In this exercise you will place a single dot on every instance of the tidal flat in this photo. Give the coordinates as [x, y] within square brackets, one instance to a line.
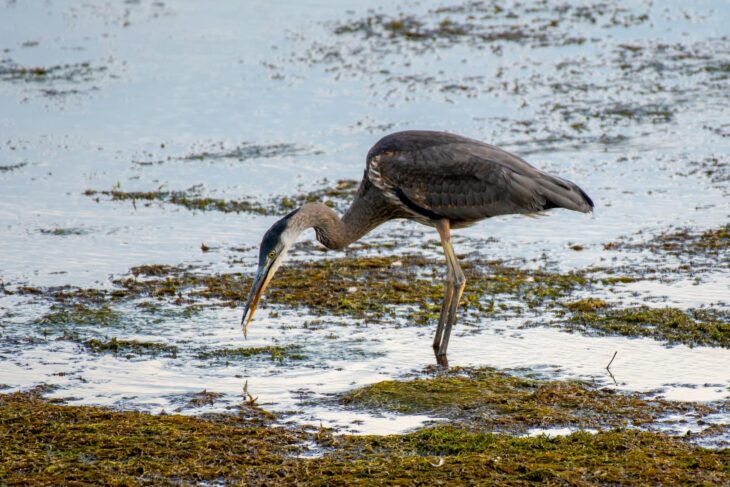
[92, 444]
[147, 148]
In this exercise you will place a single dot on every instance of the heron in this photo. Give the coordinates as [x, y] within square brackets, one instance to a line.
[442, 180]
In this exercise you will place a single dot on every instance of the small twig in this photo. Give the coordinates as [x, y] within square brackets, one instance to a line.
[608, 367]
[615, 382]
[251, 401]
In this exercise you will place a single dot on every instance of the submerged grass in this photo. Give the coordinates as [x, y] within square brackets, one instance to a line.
[76, 73]
[63, 232]
[448, 455]
[191, 199]
[694, 327]
[490, 400]
[484, 24]
[130, 347]
[373, 287]
[276, 353]
[46, 444]
[395, 287]
[80, 314]
[185, 199]
[49, 444]
[687, 244]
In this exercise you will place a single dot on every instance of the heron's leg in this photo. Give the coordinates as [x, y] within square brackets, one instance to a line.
[453, 290]
[448, 293]
[458, 290]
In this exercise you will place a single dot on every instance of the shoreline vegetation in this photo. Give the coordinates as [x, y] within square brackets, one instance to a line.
[46, 442]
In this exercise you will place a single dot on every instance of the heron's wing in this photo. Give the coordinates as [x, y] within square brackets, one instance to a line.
[446, 176]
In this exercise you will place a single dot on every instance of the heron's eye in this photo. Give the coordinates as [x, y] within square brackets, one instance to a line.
[272, 254]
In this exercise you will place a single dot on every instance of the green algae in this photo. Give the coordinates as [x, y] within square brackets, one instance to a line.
[49, 444]
[46, 444]
[182, 198]
[343, 191]
[694, 327]
[276, 353]
[64, 232]
[246, 151]
[712, 241]
[480, 23]
[589, 304]
[242, 152]
[453, 456]
[650, 112]
[376, 288]
[80, 314]
[130, 347]
[12, 167]
[75, 72]
[715, 168]
[336, 196]
[683, 242]
[200, 399]
[490, 400]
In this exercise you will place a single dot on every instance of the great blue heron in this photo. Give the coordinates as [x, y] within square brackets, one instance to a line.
[438, 179]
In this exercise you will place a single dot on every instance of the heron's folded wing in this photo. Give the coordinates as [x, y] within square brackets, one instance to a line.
[466, 181]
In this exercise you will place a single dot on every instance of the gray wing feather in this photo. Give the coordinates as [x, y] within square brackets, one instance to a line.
[466, 180]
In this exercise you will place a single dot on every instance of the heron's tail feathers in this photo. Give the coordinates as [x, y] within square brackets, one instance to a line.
[560, 193]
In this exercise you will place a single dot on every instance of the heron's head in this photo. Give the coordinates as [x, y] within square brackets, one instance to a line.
[274, 246]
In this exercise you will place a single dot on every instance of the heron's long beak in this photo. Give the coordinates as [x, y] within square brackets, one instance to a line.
[263, 277]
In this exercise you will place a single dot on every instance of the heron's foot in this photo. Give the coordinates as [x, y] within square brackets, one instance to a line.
[441, 359]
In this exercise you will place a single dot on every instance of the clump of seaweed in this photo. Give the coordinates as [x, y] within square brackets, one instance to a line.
[242, 152]
[64, 232]
[490, 400]
[80, 314]
[130, 347]
[76, 73]
[247, 151]
[55, 80]
[693, 248]
[46, 444]
[200, 399]
[450, 454]
[694, 327]
[589, 304]
[191, 199]
[12, 167]
[715, 168]
[49, 444]
[335, 195]
[182, 198]
[401, 287]
[488, 23]
[275, 353]
[713, 241]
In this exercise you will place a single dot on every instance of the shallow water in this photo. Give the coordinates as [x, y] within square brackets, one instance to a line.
[274, 111]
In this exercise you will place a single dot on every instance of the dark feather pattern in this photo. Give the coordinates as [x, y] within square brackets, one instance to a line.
[437, 174]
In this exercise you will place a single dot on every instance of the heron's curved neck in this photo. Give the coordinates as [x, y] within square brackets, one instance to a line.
[332, 231]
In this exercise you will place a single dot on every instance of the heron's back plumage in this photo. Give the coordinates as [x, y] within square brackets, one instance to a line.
[435, 175]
